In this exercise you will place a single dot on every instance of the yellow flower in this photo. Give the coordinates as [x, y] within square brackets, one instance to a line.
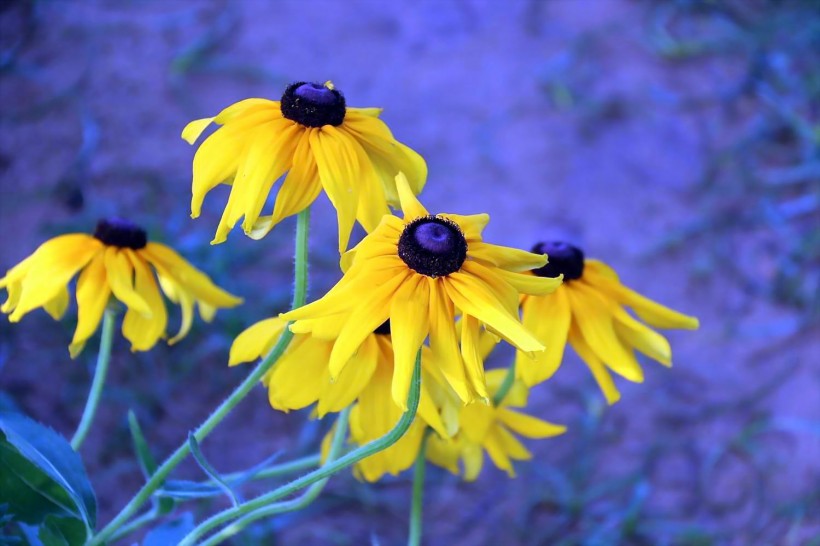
[301, 378]
[320, 143]
[489, 428]
[118, 260]
[419, 273]
[588, 310]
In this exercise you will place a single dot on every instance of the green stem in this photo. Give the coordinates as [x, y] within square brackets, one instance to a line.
[276, 470]
[325, 471]
[135, 524]
[416, 509]
[103, 358]
[299, 296]
[292, 505]
[505, 386]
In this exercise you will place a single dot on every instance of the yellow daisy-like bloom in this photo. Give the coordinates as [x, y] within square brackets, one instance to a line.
[117, 260]
[420, 272]
[489, 428]
[588, 311]
[320, 143]
[301, 378]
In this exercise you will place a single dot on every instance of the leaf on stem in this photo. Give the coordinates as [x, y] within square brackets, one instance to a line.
[210, 470]
[146, 460]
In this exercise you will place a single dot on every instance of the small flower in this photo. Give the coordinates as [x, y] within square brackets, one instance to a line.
[117, 260]
[489, 428]
[588, 310]
[320, 142]
[301, 378]
[420, 272]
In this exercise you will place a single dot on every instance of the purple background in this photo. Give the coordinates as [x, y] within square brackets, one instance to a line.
[677, 141]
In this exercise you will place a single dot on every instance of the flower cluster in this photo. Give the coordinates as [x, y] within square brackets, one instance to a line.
[418, 285]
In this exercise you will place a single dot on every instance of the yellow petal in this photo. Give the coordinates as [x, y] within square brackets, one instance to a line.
[497, 453]
[473, 458]
[121, 279]
[194, 129]
[337, 173]
[337, 395]
[475, 298]
[409, 324]
[444, 343]
[650, 311]
[548, 318]
[444, 453]
[527, 283]
[511, 259]
[640, 336]
[511, 446]
[93, 293]
[528, 426]
[58, 304]
[595, 365]
[51, 268]
[591, 313]
[410, 206]
[256, 341]
[144, 330]
[471, 353]
[372, 204]
[298, 378]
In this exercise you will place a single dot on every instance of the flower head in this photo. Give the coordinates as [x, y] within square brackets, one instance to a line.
[420, 272]
[117, 260]
[488, 428]
[320, 142]
[588, 311]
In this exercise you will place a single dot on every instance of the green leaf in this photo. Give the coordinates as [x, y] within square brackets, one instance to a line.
[170, 532]
[146, 460]
[41, 474]
[62, 532]
[203, 463]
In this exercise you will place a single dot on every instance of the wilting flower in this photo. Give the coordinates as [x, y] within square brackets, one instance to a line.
[117, 260]
[488, 428]
[588, 310]
[320, 143]
[419, 273]
[301, 378]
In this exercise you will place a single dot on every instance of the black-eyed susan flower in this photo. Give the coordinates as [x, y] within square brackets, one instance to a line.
[588, 311]
[320, 142]
[119, 261]
[489, 428]
[420, 272]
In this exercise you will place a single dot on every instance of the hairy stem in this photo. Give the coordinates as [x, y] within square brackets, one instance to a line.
[416, 509]
[103, 358]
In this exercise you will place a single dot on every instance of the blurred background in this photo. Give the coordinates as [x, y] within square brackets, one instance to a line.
[677, 141]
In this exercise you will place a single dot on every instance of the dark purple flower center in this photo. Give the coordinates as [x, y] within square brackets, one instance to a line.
[433, 246]
[564, 259]
[120, 233]
[313, 104]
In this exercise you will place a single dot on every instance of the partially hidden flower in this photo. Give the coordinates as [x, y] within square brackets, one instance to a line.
[119, 261]
[488, 428]
[589, 310]
[320, 142]
[420, 272]
[301, 378]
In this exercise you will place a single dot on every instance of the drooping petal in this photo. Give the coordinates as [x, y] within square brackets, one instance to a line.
[410, 324]
[640, 336]
[337, 172]
[474, 297]
[57, 306]
[595, 365]
[497, 453]
[471, 353]
[337, 395]
[298, 377]
[548, 318]
[143, 330]
[594, 321]
[93, 293]
[194, 129]
[51, 268]
[650, 311]
[121, 279]
[444, 343]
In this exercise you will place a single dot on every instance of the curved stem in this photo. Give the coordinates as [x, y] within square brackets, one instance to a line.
[416, 509]
[299, 296]
[97, 384]
[349, 459]
[298, 503]
[505, 386]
